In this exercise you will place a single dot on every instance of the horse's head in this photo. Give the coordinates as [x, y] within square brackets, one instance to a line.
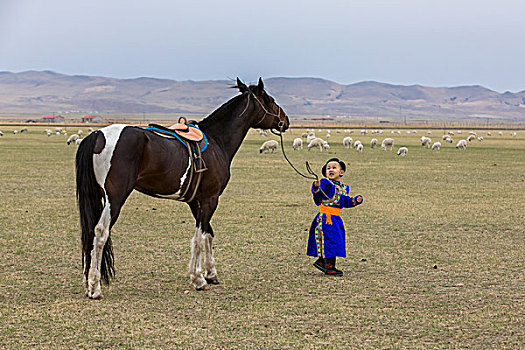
[267, 113]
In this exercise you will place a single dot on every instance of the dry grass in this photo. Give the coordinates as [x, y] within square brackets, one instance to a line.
[461, 211]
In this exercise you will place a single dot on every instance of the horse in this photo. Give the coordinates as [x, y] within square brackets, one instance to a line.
[115, 160]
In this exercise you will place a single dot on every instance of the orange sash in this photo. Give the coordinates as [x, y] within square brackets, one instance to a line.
[329, 211]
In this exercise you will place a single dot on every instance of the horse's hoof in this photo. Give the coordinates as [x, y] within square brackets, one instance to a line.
[204, 287]
[213, 280]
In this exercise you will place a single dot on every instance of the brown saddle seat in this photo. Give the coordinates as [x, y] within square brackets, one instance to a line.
[187, 132]
[184, 130]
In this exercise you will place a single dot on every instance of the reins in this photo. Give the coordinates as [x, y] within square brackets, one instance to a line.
[312, 175]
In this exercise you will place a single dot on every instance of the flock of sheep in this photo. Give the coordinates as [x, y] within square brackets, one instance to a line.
[74, 138]
[314, 142]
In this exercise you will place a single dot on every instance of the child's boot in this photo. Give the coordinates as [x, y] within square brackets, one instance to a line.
[330, 267]
[320, 264]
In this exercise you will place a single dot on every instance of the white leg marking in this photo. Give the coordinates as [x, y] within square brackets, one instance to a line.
[197, 245]
[101, 236]
[210, 272]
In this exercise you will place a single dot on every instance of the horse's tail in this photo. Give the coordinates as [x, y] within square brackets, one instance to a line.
[89, 197]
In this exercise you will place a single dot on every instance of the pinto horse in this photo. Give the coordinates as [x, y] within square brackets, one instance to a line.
[115, 160]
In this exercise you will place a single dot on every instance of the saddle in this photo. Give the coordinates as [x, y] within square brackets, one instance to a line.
[186, 131]
[196, 143]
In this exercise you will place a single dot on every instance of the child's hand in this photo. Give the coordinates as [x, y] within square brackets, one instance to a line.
[317, 183]
[359, 199]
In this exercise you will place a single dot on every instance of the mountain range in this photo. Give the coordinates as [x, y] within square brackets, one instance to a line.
[48, 92]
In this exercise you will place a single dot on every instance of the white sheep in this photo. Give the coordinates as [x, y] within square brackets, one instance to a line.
[364, 132]
[263, 133]
[387, 142]
[436, 146]
[480, 138]
[304, 135]
[23, 129]
[472, 133]
[429, 132]
[402, 151]
[72, 138]
[1, 133]
[471, 138]
[347, 142]
[489, 133]
[425, 141]
[328, 136]
[316, 142]
[326, 146]
[91, 129]
[269, 145]
[297, 144]
[373, 143]
[461, 144]
[356, 143]
[513, 134]
[78, 141]
[80, 132]
[310, 137]
[15, 132]
[451, 133]
[500, 133]
[359, 148]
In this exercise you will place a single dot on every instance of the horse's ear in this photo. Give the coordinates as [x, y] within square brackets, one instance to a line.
[260, 85]
[241, 86]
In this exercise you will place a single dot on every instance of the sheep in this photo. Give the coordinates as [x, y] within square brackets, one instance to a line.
[356, 143]
[91, 129]
[72, 138]
[402, 151]
[269, 145]
[429, 132]
[500, 133]
[359, 148]
[458, 131]
[263, 133]
[461, 144]
[373, 143]
[78, 141]
[364, 132]
[15, 132]
[297, 143]
[326, 146]
[480, 138]
[513, 134]
[79, 133]
[445, 137]
[451, 133]
[347, 142]
[1, 133]
[304, 135]
[328, 136]
[425, 141]
[310, 138]
[436, 146]
[316, 142]
[23, 129]
[472, 133]
[387, 142]
[489, 133]
[471, 138]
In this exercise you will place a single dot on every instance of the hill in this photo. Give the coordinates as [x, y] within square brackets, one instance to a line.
[48, 92]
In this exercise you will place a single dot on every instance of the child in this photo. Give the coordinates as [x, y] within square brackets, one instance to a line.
[327, 232]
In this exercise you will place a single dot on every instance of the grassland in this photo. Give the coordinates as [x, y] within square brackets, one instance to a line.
[436, 254]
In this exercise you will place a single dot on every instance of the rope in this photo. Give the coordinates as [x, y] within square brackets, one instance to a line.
[312, 176]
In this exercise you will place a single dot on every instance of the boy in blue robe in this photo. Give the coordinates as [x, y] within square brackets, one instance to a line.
[326, 239]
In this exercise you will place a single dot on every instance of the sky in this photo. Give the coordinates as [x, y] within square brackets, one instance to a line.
[406, 42]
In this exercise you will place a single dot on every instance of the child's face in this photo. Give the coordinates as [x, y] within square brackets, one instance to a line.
[334, 171]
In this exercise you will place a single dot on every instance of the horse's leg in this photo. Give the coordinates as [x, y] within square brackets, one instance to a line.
[202, 211]
[210, 273]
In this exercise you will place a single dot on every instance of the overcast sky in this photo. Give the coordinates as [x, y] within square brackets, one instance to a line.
[432, 43]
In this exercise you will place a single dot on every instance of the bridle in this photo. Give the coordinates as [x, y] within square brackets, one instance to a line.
[312, 176]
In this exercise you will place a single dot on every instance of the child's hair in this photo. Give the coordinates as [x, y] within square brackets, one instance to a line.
[341, 163]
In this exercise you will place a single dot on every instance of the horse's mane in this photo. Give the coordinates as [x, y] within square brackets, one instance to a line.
[218, 115]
